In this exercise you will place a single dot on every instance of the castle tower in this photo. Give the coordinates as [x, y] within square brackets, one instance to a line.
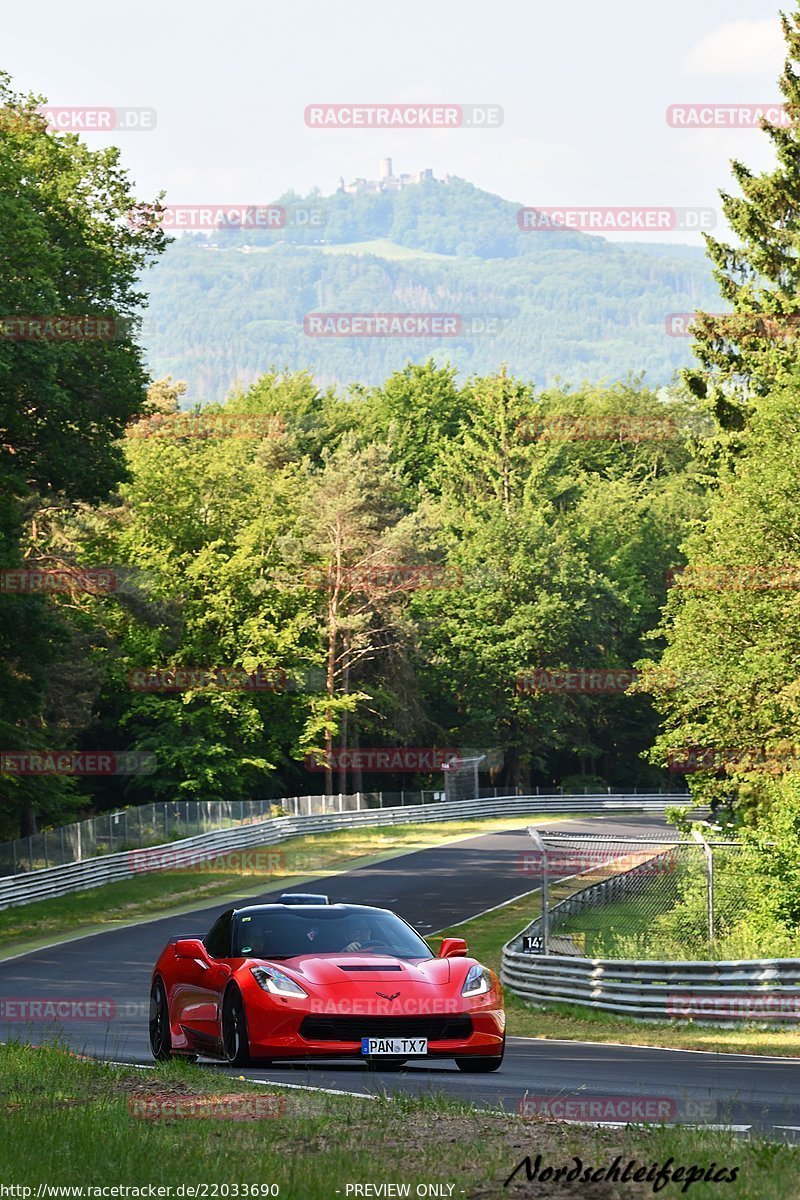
[386, 168]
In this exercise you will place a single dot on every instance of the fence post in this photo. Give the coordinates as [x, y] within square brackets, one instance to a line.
[540, 846]
[709, 853]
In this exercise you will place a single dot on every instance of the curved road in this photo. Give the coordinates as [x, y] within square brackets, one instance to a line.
[432, 889]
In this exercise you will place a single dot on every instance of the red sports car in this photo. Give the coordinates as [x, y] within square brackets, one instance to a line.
[306, 979]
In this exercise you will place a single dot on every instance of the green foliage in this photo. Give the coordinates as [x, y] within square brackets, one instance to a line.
[743, 357]
[68, 248]
[728, 679]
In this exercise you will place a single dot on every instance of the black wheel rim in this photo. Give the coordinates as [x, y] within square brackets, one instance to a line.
[158, 1020]
[233, 1032]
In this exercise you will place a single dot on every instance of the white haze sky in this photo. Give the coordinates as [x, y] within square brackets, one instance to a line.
[584, 87]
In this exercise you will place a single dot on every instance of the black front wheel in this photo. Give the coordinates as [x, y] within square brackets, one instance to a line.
[235, 1043]
[481, 1065]
[160, 1037]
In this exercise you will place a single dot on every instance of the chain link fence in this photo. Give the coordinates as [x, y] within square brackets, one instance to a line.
[154, 824]
[656, 897]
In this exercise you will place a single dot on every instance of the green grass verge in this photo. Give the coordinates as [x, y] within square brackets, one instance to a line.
[72, 1122]
[260, 869]
[486, 936]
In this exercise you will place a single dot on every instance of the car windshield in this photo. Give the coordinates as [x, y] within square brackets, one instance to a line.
[286, 932]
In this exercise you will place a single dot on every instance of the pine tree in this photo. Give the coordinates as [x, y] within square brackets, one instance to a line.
[744, 355]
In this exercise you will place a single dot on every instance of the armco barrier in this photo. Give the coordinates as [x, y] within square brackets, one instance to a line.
[755, 990]
[73, 877]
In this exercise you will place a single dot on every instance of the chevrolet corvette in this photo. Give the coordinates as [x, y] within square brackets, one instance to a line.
[302, 979]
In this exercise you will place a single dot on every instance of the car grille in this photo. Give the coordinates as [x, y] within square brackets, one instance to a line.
[352, 1029]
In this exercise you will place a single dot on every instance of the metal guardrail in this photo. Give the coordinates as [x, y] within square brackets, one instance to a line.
[110, 868]
[151, 824]
[761, 989]
[757, 990]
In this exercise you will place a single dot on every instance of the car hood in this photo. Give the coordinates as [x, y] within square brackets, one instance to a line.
[329, 970]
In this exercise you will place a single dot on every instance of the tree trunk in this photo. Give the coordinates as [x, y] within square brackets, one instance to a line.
[330, 688]
[358, 777]
[27, 821]
[345, 715]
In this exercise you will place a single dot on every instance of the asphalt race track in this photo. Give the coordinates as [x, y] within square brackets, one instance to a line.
[432, 889]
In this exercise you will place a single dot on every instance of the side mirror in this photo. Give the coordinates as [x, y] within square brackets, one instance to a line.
[190, 948]
[453, 948]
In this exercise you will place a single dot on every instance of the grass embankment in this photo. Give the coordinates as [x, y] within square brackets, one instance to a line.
[68, 1121]
[486, 936]
[237, 876]
[621, 929]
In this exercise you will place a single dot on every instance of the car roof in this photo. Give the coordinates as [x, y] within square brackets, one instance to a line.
[308, 910]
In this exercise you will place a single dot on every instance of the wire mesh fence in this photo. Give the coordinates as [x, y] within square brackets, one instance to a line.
[167, 821]
[655, 897]
[127, 829]
[154, 824]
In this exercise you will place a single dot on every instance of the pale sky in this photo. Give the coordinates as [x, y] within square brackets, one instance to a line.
[584, 88]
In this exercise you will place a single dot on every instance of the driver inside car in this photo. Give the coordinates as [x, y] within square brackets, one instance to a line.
[360, 933]
[256, 946]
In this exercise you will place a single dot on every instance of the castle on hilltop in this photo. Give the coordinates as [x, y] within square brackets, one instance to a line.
[388, 181]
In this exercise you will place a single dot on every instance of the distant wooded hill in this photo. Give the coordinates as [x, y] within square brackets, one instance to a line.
[228, 306]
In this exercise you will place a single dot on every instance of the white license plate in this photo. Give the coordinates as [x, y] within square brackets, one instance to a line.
[402, 1047]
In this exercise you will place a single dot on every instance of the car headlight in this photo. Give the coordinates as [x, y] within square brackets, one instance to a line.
[274, 981]
[478, 982]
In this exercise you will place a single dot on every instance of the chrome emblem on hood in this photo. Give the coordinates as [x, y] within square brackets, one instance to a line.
[386, 996]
